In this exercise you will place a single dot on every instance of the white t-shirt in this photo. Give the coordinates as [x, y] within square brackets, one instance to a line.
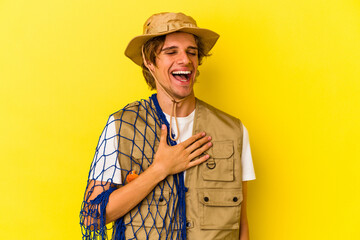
[107, 166]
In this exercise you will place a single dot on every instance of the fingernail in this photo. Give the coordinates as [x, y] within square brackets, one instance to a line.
[210, 144]
[163, 127]
[209, 138]
[203, 134]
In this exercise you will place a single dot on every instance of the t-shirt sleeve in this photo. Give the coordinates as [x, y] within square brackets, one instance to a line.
[105, 165]
[248, 172]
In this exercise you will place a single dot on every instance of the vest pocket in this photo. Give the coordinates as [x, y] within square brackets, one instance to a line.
[220, 208]
[151, 212]
[220, 165]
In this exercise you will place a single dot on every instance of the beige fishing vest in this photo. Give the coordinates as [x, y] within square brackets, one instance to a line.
[214, 196]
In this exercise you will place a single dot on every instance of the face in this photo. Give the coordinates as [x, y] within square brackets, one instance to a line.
[176, 64]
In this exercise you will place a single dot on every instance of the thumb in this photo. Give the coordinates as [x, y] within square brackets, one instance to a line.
[163, 136]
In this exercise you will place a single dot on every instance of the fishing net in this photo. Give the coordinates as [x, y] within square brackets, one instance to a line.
[161, 215]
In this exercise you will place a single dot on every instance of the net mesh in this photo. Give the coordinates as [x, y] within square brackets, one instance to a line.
[128, 143]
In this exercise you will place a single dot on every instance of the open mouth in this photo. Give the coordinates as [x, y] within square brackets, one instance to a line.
[182, 76]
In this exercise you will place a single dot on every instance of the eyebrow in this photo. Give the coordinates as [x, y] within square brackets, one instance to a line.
[175, 47]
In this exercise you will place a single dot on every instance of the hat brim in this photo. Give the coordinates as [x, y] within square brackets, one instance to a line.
[133, 50]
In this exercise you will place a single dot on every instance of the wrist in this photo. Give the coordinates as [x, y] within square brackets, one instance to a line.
[157, 171]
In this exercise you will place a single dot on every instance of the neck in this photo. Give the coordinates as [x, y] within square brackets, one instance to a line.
[183, 109]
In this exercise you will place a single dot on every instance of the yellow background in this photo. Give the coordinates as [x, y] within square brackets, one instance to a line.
[289, 69]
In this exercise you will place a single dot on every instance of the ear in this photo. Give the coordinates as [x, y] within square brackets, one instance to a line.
[150, 65]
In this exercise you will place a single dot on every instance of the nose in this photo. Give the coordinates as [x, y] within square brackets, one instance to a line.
[183, 58]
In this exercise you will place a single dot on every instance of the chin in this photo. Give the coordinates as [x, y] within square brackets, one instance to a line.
[183, 94]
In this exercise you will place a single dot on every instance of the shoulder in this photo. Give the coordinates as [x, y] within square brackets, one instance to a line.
[212, 111]
[133, 109]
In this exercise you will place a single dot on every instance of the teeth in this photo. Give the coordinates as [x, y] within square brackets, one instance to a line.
[181, 72]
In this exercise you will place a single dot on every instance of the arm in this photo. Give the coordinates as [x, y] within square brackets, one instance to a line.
[244, 227]
[168, 160]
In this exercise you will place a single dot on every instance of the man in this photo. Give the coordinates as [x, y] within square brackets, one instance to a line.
[172, 166]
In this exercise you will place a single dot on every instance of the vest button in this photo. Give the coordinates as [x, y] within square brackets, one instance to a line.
[188, 224]
[206, 199]
[161, 199]
[235, 199]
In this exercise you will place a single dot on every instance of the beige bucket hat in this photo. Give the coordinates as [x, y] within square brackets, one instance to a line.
[165, 23]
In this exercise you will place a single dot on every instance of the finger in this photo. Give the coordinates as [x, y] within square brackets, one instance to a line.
[198, 161]
[200, 151]
[197, 144]
[163, 135]
[193, 139]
